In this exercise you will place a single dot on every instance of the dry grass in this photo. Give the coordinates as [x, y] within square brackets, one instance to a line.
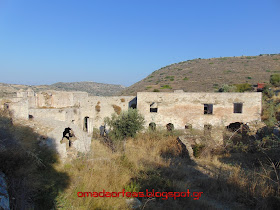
[151, 160]
[31, 170]
[157, 161]
[117, 109]
[215, 71]
[102, 169]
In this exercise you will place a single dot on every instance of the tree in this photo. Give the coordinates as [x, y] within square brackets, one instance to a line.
[127, 124]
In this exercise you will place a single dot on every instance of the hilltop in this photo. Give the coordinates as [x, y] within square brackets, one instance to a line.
[207, 75]
[93, 88]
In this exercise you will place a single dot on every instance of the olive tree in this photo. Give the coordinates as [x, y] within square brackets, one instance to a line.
[127, 124]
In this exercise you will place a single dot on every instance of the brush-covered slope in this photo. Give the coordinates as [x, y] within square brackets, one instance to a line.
[209, 74]
[93, 88]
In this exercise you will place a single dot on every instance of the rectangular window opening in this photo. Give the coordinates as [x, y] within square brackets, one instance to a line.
[153, 109]
[208, 108]
[237, 107]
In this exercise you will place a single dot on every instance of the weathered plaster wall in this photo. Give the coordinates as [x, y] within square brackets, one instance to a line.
[74, 107]
[19, 109]
[182, 108]
[59, 99]
[178, 108]
[60, 114]
[98, 107]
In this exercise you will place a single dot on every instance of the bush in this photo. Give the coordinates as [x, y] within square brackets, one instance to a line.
[166, 87]
[127, 124]
[243, 87]
[275, 80]
[197, 149]
[227, 88]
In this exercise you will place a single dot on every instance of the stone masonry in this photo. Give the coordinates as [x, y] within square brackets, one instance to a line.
[83, 113]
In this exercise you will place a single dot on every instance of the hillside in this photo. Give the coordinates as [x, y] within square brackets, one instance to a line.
[208, 74]
[93, 88]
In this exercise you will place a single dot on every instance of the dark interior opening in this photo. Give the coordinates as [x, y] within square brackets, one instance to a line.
[133, 103]
[170, 127]
[86, 123]
[153, 109]
[208, 108]
[188, 126]
[152, 126]
[237, 107]
[234, 126]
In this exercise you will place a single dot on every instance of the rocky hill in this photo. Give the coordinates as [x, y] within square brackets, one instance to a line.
[93, 88]
[209, 74]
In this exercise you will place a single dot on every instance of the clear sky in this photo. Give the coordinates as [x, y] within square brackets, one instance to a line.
[123, 41]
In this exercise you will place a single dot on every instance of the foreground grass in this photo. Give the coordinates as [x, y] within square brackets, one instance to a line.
[240, 178]
[32, 171]
[157, 161]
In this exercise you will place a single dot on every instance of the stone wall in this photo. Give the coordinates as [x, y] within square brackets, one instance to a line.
[188, 108]
[178, 108]
[96, 108]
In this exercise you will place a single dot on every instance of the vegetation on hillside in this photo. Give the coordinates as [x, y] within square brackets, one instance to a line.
[200, 75]
[93, 88]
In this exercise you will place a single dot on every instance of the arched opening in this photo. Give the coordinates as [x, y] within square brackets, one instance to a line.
[170, 127]
[152, 126]
[188, 126]
[30, 117]
[234, 126]
[86, 124]
[237, 132]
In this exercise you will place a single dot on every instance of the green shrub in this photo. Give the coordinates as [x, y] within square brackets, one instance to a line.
[197, 149]
[186, 78]
[243, 87]
[275, 79]
[155, 90]
[127, 124]
[228, 88]
[166, 87]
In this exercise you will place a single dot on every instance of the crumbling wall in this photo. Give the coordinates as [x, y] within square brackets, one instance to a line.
[189, 108]
[96, 108]
[19, 108]
[62, 114]
[54, 135]
[59, 99]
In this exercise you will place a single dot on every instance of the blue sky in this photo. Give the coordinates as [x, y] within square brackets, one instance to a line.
[123, 41]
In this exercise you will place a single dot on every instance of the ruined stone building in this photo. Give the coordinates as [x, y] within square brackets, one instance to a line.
[82, 113]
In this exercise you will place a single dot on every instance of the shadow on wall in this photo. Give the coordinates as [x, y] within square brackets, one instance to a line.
[33, 181]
